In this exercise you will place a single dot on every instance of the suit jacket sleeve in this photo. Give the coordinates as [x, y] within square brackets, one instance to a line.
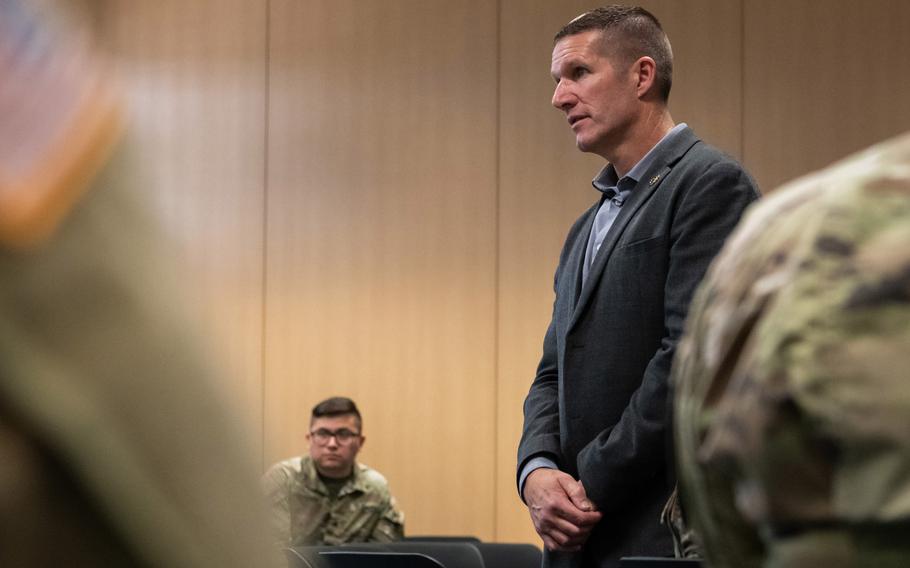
[540, 435]
[637, 447]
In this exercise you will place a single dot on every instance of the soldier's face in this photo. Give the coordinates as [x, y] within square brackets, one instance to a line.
[334, 444]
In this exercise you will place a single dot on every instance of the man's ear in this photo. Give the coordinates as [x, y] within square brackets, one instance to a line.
[646, 73]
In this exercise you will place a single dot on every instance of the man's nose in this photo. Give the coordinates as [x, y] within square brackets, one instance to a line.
[562, 96]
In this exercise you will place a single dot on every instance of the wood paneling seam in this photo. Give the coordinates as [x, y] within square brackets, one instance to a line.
[265, 230]
[496, 279]
[742, 81]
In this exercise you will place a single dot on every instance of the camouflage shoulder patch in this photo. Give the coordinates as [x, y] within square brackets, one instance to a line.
[62, 119]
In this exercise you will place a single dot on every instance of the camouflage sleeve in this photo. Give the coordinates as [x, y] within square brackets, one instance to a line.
[685, 539]
[275, 487]
[793, 402]
[819, 450]
[391, 524]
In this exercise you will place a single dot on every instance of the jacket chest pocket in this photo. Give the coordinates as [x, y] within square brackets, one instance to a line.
[642, 246]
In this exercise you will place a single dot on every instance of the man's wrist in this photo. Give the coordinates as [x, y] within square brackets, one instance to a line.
[533, 464]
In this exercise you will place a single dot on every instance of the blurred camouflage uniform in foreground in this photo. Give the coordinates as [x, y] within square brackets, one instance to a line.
[114, 448]
[793, 381]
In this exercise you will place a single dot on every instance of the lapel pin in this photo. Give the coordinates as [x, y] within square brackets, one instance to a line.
[654, 179]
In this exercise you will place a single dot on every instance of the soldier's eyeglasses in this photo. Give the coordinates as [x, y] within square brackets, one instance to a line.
[343, 436]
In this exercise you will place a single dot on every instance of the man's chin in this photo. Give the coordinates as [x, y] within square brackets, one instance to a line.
[583, 144]
[587, 146]
[583, 147]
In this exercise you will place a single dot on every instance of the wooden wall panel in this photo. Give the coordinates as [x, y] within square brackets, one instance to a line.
[391, 229]
[544, 185]
[381, 241]
[545, 182]
[707, 75]
[823, 79]
[194, 73]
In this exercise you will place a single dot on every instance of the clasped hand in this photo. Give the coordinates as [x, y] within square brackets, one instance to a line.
[562, 514]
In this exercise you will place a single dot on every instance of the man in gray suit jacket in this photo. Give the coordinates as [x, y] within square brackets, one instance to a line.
[593, 459]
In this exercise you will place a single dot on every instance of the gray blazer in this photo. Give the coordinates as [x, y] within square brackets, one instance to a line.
[598, 404]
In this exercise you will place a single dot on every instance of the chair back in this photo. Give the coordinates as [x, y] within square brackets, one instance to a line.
[440, 538]
[655, 562]
[361, 559]
[509, 555]
[448, 554]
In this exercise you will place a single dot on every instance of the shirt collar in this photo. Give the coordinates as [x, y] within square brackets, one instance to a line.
[607, 179]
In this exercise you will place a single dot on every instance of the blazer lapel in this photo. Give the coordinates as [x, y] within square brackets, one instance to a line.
[576, 259]
[639, 196]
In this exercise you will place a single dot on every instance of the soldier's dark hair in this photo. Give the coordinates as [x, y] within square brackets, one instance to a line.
[336, 406]
[629, 32]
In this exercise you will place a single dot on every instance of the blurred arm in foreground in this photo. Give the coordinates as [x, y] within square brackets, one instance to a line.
[114, 445]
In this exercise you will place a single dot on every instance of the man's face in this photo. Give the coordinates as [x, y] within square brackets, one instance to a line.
[332, 446]
[599, 99]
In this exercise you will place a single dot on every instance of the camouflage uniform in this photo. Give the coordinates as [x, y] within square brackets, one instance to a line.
[304, 513]
[114, 449]
[792, 391]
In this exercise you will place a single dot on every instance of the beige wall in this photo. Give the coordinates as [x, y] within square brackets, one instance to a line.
[368, 196]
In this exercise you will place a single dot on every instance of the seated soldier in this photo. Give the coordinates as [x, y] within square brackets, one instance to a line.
[327, 498]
